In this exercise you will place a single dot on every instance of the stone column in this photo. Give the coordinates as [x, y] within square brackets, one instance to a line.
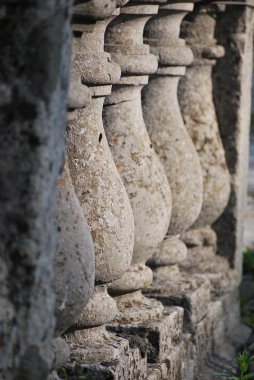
[176, 151]
[103, 200]
[135, 158]
[74, 261]
[35, 49]
[166, 129]
[196, 100]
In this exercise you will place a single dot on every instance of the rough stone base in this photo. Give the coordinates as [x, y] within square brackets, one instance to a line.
[191, 292]
[128, 366]
[158, 336]
[103, 355]
[193, 339]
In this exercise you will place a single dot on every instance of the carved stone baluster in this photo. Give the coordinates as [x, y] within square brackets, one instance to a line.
[75, 257]
[178, 155]
[74, 261]
[102, 197]
[166, 129]
[196, 100]
[140, 169]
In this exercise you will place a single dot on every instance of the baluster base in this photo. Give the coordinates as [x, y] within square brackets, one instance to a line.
[99, 354]
[155, 338]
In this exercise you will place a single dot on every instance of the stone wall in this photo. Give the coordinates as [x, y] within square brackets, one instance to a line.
[125, 265]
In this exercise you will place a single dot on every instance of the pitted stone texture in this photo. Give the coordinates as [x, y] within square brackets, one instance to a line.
[103, 355]
[134, 307]
[204, 261]
[89, 60]
[196, 101]
[189, 357]
[124, 39]
[163, 118]
[192, 292]
[159, 336]
[74, 261]
[137, 277]
[100, 309]
[171, 251]
[140, 169]
[175, 149]
[204, 334]
[101, 193]
[35, 50]
[170, 369]
[127, 367]
[96, 9]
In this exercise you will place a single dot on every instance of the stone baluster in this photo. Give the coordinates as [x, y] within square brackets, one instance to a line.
[167, 131]
[74, 262]
[196, 101]
[75, 258]
[100, 191]
[140, 169]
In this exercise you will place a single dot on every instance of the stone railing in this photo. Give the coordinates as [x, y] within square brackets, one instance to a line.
[149, 202]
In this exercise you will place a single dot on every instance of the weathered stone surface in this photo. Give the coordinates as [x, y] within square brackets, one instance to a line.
[135, 307]
[140, 169]
[171, 251]
[103, 200]
[135, 278]
[100, 192]
[95, 9]
[159, 336]
[74, 261]
[172, 287]
[204, 261]
[34, 42]
[103, 356]
[200, 237]
[170, 369]
[163, 118]
[196, 101]
[100, 309]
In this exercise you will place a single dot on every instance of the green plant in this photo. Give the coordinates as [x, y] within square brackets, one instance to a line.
[62, 373]
[249, 320]
[248, 259]
[243, 361]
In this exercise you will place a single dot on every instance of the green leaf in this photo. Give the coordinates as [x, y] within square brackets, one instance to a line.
[229, 376]
[249, 376]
